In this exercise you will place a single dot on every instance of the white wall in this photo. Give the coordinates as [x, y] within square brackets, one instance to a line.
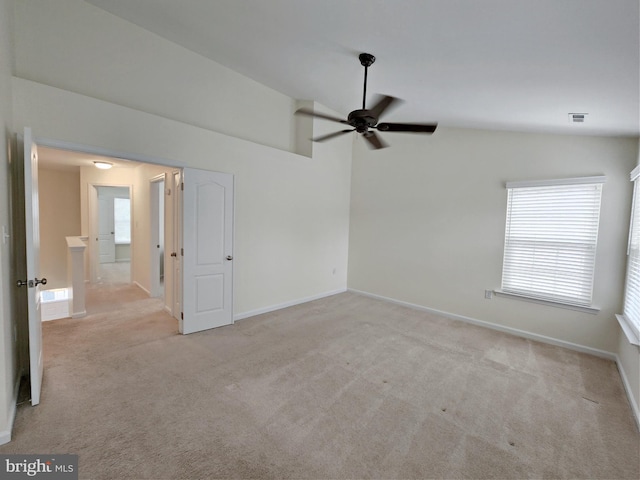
[428, 218]
[148, 96]
[59, 192]
[73, 45]
[291, 212]
[8, 361]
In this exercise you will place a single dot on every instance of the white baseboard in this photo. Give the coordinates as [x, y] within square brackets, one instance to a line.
[494, 326]
[633, 402]
[5, 435]
[142, 288]
[273, 308]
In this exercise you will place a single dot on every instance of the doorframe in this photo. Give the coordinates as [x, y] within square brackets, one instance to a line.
[176, 243]
[93, 212]
[107, 152]
[176, 166]
[156, 235]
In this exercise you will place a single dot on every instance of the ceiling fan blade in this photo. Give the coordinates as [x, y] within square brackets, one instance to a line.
[407, 127]
[374, 140]
[331, 135]
[311, 113]
[383, 104]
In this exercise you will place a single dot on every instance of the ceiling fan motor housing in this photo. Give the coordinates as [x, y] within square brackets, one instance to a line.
[366, 59]
[362, 120]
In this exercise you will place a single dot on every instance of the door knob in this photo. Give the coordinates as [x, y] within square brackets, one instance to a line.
[32, 283]
[229, 257]
[174, 254]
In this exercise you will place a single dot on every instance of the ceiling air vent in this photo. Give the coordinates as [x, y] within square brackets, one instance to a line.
[577, 117]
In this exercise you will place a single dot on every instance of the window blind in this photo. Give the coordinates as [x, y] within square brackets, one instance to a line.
[632, 290]
[550, 239]
[122, 220]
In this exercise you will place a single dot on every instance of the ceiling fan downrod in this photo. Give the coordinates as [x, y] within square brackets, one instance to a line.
[366, 60]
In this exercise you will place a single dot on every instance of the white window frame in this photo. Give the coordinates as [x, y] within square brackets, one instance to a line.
[630, 318]
[545, 263]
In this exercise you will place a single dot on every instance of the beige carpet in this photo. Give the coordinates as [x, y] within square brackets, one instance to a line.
[344, 387]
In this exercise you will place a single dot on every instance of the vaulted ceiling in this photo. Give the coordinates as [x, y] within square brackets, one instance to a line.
[501, 64]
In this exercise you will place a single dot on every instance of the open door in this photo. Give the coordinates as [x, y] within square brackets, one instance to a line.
[157, 233]
[175, 261]
[106, 233]
[32, 282]
[207, 272]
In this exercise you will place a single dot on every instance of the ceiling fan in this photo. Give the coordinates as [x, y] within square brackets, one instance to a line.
[365, 120]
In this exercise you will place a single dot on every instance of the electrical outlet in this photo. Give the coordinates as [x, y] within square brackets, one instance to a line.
[488, 294]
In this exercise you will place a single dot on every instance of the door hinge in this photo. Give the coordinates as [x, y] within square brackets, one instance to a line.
[181, 315]
[182, 186]
[182, 252]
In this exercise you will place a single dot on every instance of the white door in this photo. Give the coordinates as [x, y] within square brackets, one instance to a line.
[156, 227]
[176, 241]
[32, 236]
[106, 232]
[208, 250]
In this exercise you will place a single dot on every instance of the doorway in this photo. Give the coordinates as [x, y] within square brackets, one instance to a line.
[198, 230]
[114, 234]
[109, 210]
[157, 231]
[205, 228]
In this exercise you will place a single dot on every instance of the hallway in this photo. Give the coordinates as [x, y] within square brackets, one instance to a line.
[112, 273]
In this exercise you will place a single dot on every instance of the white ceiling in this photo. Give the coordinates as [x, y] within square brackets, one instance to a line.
[505, 64]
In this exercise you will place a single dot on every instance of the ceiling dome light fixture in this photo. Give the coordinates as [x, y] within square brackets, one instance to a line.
[103, 165]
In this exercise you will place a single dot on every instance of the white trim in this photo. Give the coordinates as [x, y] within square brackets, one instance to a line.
[635, 173]
[5, 435]
[106, 152]
[633, 402]
[135, 282]
[79, 314]
[628, 330]
[550, 303]
[272, 308]
[633, 207]
[494, 326]
[558, 181]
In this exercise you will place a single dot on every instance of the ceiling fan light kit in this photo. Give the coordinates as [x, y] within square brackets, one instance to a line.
[364, 120]
[103, 165]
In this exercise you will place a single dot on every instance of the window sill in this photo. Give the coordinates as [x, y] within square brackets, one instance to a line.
[550, 303]
[628, 330]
